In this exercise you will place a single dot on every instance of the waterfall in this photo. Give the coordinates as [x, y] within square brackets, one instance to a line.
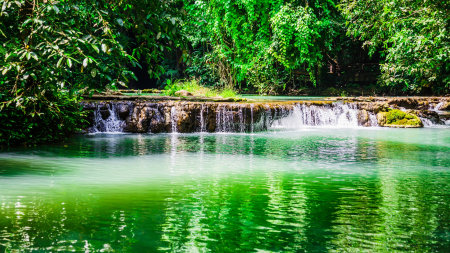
[241, 120]
[426, 122]
[251, 113]
[173, 119]
[202, 119]
[438, 106]
[225, 118]
[373, 119]
[327, 115]
[142, 117]
[107, 120]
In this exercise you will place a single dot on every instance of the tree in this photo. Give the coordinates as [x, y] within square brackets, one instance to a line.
[54, 50]
[413, 35]
[256, 41]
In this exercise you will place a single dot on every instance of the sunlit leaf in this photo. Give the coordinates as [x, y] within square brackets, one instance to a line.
[59, 62]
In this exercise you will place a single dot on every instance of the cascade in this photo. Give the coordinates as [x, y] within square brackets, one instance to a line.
[438, 106]
[173, 119]
[251, 118]
[188, 117]
[327, 115]
[202, 119]
[106, 119]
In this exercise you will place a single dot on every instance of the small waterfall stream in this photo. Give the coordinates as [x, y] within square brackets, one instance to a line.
[173, 119]
[344, 115]
[107, 120]
[227, 117]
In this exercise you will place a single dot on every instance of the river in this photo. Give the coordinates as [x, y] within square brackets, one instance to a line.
[308, 189]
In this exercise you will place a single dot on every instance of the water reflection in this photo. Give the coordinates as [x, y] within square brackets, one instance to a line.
[298, 191]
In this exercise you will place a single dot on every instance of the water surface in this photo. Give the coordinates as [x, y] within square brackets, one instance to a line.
[312, 189]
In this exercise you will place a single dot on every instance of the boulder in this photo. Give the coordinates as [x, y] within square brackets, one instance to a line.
[363, 118]
[398, 119]
[123, 111]
[183, 93]
[445, 107]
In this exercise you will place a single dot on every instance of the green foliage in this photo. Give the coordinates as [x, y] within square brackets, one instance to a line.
[53, 51]
[413, 35]
[253, 41]
[41, 122]
[197, 89]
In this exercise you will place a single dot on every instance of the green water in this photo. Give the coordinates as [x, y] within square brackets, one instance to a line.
[309, 190]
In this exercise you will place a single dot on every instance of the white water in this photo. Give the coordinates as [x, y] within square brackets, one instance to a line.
[225, 119]
[438, 106]
[232, 118]
[342, 115]
[426, 122]
[202, 120]
[173, 119]
[113, 124]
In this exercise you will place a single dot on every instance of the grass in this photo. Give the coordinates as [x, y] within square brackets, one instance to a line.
[198, 90]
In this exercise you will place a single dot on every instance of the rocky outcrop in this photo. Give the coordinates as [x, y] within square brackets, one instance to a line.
[187, 117]
[398, 119]
[141, 116]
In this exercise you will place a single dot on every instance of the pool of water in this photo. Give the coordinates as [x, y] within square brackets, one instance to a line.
[304, 190]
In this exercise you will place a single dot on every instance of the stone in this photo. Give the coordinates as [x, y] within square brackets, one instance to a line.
[445, 107]
[105, 113]
[124, 111]
[363, 118]
[183, 93]
[398, 119]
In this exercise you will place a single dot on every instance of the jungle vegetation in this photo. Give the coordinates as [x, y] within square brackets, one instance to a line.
[54, 51]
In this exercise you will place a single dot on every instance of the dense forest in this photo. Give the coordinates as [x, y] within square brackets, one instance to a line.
[54, 51]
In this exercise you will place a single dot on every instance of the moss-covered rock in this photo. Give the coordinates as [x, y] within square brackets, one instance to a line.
[399, 119]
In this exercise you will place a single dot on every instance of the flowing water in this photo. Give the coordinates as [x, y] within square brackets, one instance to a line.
[294, 188]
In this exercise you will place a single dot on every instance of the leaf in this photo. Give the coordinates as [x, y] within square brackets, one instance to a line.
[34, 55]
[69, 63]
[18, 3]
[95, 48]
[28, 56]
[93, 72]
[173, 21]
[4, 71]
[104, 48]
[86, 37]
[120, 21]
[134, 76]
[158, 36]
[59, 62]
[85, 62]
